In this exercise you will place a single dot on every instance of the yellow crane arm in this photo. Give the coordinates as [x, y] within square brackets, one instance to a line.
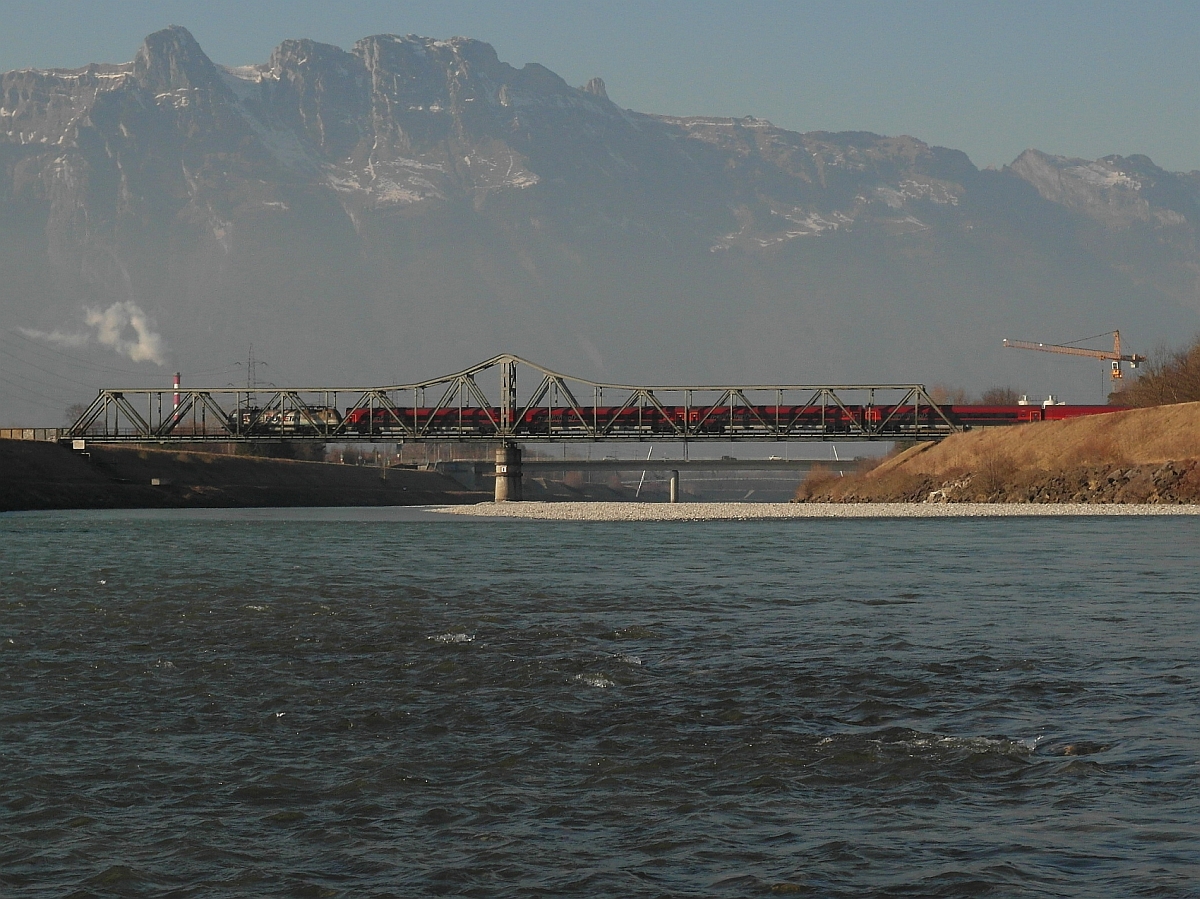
[1115, 356]
[1054, 348]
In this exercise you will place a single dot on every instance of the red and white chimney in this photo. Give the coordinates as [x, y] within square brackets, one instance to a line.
[176, 406]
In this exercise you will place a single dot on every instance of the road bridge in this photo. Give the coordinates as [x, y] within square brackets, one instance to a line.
[507, 401]
[471, 473]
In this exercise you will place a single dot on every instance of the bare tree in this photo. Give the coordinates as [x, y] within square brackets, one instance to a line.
[1000, 396]
[1168, 376]
[945, 395]
[74, 412]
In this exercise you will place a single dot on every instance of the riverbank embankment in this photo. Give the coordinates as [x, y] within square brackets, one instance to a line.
[1149, 456]
[49, 476]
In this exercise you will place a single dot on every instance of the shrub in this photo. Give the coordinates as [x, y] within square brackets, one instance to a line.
[819, 476]
[996, 470]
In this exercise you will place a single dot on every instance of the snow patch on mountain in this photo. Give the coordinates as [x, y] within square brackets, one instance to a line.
[909, 189]
[1098, 175]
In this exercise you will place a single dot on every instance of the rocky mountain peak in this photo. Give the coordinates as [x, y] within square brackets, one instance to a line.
[294, 55]
[1114, 190]
[412, 54]
[595, 86]
[171, 60]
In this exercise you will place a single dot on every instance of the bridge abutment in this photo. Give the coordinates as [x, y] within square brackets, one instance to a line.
[508, 473]
[674, 486]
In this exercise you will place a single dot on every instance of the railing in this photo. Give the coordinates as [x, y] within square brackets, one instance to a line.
[43, 435]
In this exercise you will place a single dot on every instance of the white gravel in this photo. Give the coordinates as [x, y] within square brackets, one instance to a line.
[767, 511]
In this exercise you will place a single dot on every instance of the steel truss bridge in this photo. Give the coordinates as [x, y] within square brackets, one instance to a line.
[509, 400]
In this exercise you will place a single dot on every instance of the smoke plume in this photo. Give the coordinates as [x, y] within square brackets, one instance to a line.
[126, 328]
[123, 327]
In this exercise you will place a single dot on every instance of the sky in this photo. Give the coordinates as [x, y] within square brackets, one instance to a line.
[1082, 79]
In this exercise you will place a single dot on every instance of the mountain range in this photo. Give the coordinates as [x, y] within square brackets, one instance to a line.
[410, 206]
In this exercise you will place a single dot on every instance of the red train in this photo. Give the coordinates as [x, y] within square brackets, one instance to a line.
[701, 421]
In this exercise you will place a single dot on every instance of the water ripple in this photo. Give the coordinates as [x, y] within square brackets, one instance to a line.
[820, 708]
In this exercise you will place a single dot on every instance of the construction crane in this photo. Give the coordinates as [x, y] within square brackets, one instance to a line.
[1115, 356]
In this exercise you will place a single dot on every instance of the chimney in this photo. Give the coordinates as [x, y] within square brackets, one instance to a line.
[176, 406]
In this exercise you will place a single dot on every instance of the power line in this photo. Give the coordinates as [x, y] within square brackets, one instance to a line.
[43, 348]
[49, 372]
[28, 390]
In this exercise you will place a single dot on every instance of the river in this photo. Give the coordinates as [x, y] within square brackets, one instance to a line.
[376, 703]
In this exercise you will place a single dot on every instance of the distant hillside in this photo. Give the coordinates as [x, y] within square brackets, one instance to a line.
[1139, 455]
[409, 206]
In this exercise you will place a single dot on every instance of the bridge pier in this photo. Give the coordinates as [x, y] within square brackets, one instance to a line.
[508, 473]
[674, 486]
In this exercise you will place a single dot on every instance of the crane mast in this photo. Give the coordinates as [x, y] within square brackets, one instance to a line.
[1116, 356]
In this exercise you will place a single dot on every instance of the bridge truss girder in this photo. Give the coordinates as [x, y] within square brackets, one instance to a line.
[463, 409]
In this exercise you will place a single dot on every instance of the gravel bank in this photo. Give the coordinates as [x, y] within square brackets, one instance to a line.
[767, 511]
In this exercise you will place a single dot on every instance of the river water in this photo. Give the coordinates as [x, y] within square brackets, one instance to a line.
[374, 703]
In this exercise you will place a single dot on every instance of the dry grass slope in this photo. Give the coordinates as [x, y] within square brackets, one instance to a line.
[1138, 455]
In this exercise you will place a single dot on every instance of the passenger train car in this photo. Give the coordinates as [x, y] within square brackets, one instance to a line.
[700, 421]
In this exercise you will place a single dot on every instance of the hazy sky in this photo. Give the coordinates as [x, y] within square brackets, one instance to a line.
[991, 78]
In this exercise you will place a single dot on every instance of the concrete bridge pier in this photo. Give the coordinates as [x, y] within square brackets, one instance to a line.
[508, 473]
[674, 486]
